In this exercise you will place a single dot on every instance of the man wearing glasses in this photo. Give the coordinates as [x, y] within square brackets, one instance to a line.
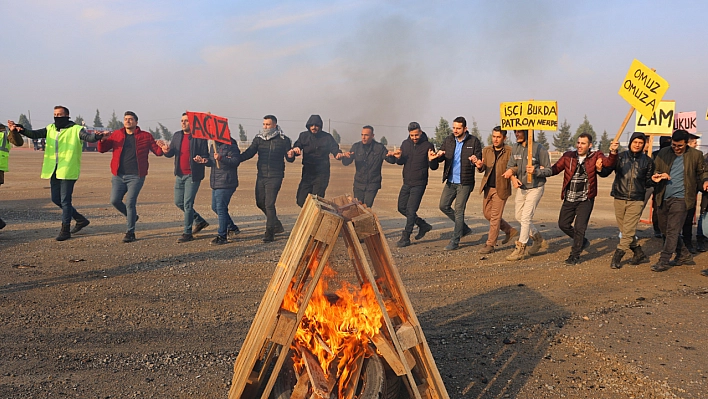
[680, 170]
[579, 190]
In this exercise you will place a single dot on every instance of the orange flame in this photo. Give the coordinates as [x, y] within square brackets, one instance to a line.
[336, 327]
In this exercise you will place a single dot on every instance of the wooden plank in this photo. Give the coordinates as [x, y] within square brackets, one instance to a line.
[353, 378]
[320, 384]
[287, 322]
[410, 359]
[331, 223]
[407, 335]
[388, 352]
[365, 225]
[302, 387]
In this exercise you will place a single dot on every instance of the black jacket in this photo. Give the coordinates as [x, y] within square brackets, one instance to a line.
[470, 146]
[271, 155]
[196, 147]
[368, 160]
[316, 147]
[414, 158]
[226, 175]
[633, 173]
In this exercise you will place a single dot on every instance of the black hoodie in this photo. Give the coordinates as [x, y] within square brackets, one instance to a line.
[414, 158]
[316, 147]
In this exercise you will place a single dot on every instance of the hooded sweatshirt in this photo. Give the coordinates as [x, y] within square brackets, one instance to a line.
[316, 147]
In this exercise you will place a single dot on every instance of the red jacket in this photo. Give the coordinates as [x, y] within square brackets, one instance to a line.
[568, 163]
[144, 142]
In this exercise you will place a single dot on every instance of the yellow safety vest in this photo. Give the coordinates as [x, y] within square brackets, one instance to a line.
[4, 150]
[62, 153]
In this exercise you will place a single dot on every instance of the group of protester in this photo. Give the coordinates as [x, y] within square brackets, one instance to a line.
[674, 173]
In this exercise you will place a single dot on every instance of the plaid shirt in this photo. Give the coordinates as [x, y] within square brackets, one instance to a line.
[578, 186]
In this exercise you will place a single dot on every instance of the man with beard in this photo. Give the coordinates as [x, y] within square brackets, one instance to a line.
[579, 190]
[273, 148]
[62, 164]
[495, 187]
[633, 171]
[680, 170]
[368, 156]
[413, 155]
[188, 175]
[458, 176]
[314, 145]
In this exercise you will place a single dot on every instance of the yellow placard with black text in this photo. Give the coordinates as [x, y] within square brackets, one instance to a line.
[529, 115]
[643, 89]
[660, 122]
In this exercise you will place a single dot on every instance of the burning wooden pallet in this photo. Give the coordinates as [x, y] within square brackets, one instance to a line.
[271, 340]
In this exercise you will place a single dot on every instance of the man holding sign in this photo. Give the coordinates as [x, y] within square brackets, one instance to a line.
[314, 145]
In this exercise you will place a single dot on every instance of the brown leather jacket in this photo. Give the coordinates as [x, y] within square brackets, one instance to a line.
[503, 185]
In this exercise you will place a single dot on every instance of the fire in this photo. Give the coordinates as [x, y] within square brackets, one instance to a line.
[336, 327]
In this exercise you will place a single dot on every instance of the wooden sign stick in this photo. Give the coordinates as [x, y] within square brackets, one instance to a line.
[213, 146]
[624, 124]
[529, 147]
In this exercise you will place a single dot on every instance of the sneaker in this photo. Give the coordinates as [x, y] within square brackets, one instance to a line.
[219, 240]
[423, 229]
[185, 238]
[233, 233]
[279, 229]
[660, 266]
[129, 237]
[452, 246]
[572, 260]
[488, 249]
[200, 226]
[513, 233]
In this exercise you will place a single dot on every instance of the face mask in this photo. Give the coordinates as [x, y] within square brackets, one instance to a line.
[61, 121]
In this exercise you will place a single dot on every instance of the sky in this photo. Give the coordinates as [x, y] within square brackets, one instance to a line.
[356, 62]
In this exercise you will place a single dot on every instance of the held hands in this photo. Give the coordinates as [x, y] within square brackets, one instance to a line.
[516, 183]
[199, 159]
[657, 177]
[13, 127]
[508, 174]
[705, 186]
[339, 156]
[347, 154]
[163, 145]
[297, 151]
[433, 155]
[477, 162]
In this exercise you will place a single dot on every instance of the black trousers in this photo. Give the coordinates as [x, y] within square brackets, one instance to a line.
[314, 180]
[409, 199]
[687, 230]
[366, 195]
[267, 189]
[578, 212]
[672, 215]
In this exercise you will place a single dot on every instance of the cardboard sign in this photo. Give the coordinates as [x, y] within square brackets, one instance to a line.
[660, 122]
[531, 115]
[209, 127]
[685, 121]
[643, 88]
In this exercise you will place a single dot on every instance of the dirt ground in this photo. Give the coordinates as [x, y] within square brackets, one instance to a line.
[93, 317]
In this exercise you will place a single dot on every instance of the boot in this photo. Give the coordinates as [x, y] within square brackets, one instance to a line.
[81, 222]
[683, 257]
[510, 235]
[539, 244]
[617, 259]
[700, 244]
[65, 232]
[279, 229]
[638, 256]
[405, 240]
[519, 253]
[2, 224]
[423, 228]
[269, 235]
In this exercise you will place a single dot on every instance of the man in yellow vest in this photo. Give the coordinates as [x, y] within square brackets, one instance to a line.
[6, 137]
[62, 163]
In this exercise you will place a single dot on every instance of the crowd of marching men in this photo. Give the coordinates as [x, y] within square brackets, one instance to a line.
[673, 176]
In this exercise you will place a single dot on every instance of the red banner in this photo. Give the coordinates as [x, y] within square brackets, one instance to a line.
[209, 127]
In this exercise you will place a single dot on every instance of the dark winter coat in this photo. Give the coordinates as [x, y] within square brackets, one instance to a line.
[694, 173]
[196, 147]
[414, 158]
[226, 174]
[470, 146]
[368, 160]
[633, 173]
[271, 155]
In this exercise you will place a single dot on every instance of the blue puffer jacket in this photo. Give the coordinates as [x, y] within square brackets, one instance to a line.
[226, 175]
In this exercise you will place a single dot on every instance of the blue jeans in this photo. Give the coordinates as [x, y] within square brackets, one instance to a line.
[130, 185]
[220, 199]
[459, 193]
[185, 194]
[62, 192]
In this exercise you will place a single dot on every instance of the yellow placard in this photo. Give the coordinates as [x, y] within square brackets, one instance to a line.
[660, 122]
[707, 115]
[531, 115]
[643, 88]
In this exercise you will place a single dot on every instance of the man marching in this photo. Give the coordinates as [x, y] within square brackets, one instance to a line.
[273, 148]
[413, 155]
[495, 187]
[368, 156]
[129, 166]
[62, 164]
[188, 175]
[7, 137]
[633, 171]
[579, 190]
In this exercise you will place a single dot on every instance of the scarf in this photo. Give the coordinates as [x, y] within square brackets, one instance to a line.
[267, 134]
